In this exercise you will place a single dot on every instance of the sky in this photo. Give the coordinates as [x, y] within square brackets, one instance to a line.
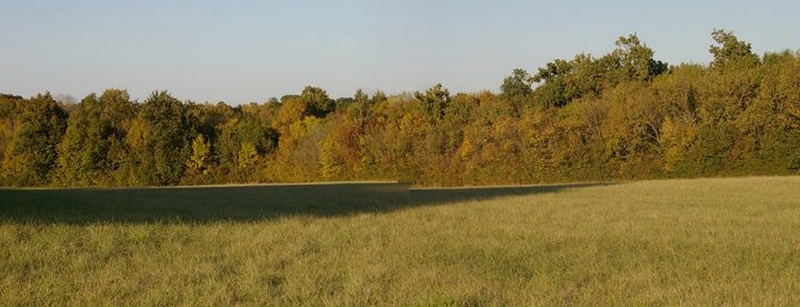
[249, 51]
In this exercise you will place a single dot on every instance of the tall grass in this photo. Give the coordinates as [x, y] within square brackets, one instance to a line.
[702, 241]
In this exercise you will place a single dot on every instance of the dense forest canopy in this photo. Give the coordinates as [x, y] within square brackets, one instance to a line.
[623, 115]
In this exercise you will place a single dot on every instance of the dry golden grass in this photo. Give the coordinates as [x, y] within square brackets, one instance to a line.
[703, 241]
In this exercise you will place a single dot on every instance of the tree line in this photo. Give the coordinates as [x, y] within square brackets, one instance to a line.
[623, 115]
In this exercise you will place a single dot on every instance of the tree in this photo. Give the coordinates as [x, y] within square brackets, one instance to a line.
[434, 101]
[517, 89]
[789, 91]
[81, 150]
[243, 141]
[93, 147]
[360, 109]
[318, 101]
[248, 155]
[292, 110]
[9, 120]
[32, 156]
[731, 51]
[563, 81]
[635, 60]
[200, 158]
[165, 140]
[378, 97]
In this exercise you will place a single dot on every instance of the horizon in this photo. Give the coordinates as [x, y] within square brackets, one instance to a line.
[251, 52]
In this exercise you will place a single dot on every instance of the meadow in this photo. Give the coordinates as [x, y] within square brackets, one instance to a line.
[663, 242]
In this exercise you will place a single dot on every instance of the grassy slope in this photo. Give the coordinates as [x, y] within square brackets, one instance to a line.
[704, 241]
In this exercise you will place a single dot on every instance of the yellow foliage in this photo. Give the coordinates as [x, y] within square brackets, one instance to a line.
[248, 155]
[201, 153]
[331, 162]
[137, 134]
[292, 111]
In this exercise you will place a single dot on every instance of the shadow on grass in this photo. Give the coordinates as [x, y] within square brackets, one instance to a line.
[233, 203]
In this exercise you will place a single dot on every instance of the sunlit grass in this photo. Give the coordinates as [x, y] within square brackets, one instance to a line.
[706, 241]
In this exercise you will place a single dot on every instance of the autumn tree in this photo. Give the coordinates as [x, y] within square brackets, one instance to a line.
[9, 121]
[293, 109]
[199, 160]
[620, 115]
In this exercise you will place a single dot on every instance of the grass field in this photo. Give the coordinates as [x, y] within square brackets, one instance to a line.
[702, 241]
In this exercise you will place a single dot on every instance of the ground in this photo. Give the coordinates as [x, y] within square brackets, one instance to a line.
[698, 241]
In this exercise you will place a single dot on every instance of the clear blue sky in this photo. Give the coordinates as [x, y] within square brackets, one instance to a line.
[241, 51]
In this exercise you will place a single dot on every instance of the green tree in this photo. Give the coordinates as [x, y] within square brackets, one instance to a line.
[731, 51]
[165, 141]
[242, 142]
[93, 147]
[563, 81]
[554, 89]
[32, 157]
[434, 101]
[361, 109]
[318, 101]
[517, 89]
[635, 60]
